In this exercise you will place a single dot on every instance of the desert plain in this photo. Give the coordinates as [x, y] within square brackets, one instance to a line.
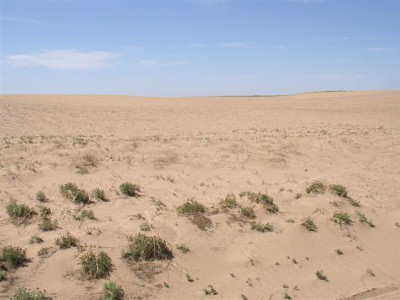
[206, 149]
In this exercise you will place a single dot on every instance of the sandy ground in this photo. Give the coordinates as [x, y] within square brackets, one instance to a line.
[205, 148]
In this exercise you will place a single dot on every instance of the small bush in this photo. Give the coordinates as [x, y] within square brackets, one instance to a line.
[248, 212]
[261, 227]
[99, 194]
[320, 275]
[263, 199]
[44, 211]
[145, 227]
[338, 190]
[363, 219]
[24, 294]
[342, 218]
[316, 187]
[299, 195]
[96, 265]
[47, 224]
[147, 248]
[67, 241]
[43, 251]
[35, 239]
[130, 189]
[353, 202]
[229, 202]
[339, 252]
[13, 257]
[210, 291]
[41, 196]
[309, 224]
[191, 207]
[75, 194]
[85, 214]
[19, 212]
[183, 248]
[3, 276]
[112, 291]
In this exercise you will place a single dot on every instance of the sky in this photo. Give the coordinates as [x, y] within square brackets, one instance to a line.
[198, 47]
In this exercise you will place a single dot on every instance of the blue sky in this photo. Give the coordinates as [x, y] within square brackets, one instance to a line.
[198, 47]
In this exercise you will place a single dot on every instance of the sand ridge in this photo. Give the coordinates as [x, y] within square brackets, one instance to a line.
[205, 148]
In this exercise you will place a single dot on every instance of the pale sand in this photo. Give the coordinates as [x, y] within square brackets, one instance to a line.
[210, 147]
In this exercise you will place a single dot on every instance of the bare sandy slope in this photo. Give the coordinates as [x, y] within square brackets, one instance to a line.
[205, 148]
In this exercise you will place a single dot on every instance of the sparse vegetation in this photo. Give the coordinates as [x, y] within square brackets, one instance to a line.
[263, 199]
[299, 195]
[147, 248]
[309, 224]
[363, 219]
[286, 296]
[261, 227]
[191, 207]
[24, 294]
[35, 239]
[3, 276]
[229, 202]
[397, 224]
[67, 241]
[41, 196]
[44, 211]
[145, 227]
[112, 291]
[130, 189]
[183, 248]
[210, 291]
[339, 252]
[248, 212]
[85, 214]
[370, 272]
[47, 224]
[13, 257]
[342, 218]
[75, 194]
[338, 190]
[353, 202]
[96, 265]
[321, 276]
[43, 251]
[316, 187]
[99, 194]
[19, 212]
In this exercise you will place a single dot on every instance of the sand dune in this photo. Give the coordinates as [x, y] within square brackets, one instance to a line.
[206, 148]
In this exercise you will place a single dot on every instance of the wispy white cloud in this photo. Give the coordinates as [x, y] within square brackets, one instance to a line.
[234, 45]
[382, 49]
[17, 19]
[64, 59]
[149, 63]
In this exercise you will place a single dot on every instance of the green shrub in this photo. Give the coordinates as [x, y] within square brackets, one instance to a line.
[353, 202]
[148, 248]
[183, 248]
[75, 194]
[263, 199]
[35, 239]
[47, 224]
[320, 275]
[13, 257]
[309, 224]
[43, 251]
[342, 218]
[112, 291]
[85, 214]
[261, 227]
[191, 207]
[130, 189]
[24, 294]
[316, 187]
[99, 194]
[338, 190]
[19, 212]
[44, 211]
[229, 202]
[67, 241]
[96, 265]
[363, 219]
[3, 276]
[248, 212]
[41, 196]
